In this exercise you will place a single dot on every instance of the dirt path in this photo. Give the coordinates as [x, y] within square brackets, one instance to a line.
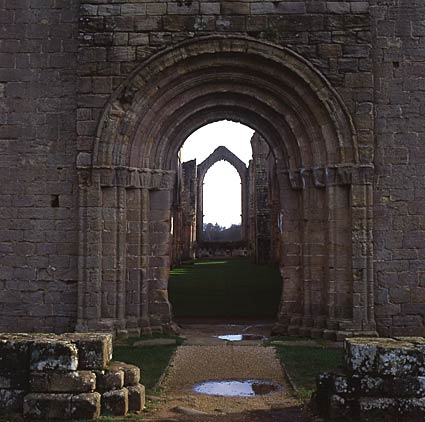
[204, 357]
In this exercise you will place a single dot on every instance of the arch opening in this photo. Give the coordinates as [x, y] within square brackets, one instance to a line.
[322, 192]
[222, 185]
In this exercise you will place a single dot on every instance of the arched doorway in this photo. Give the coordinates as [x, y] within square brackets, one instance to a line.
[126, 185]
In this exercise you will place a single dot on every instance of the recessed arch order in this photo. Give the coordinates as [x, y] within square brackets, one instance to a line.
[132, 167]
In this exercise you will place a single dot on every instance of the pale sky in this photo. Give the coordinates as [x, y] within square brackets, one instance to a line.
[222, 184]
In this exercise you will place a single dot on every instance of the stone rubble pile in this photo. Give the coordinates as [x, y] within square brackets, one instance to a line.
[384, 380]
[69, 376]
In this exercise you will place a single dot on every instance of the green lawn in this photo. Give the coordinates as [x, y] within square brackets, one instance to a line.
[225, 288]
[152, 360]
[303, 364]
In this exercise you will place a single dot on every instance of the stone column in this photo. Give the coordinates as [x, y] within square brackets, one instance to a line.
[133, 260]
[200, 209]
[90, 248]
[290, 311]
[159, 258]
[144, 322]
[362, 255]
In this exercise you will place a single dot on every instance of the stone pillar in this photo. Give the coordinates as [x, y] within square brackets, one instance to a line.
[362, 254]
[159, 258]
[124, 249]
[144, 322]
[200, 210]
[313, 258]
[134, 261]
[90, 248]
[290, 311]
[245, 206]
[330, 291]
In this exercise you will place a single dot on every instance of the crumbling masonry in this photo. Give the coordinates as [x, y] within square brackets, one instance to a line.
[97, 97]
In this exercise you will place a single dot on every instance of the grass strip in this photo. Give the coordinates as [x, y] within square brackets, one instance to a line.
[303, 364]
[152, 360]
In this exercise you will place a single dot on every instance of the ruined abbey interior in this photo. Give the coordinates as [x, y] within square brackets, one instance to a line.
[97, 98]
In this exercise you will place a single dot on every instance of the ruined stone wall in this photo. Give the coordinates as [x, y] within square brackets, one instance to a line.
[52, 50]
[382, 380]
[116, 36]
[399, 211]
[38, 206]
[50, 377]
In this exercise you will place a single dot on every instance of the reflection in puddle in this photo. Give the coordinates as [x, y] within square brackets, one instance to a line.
[240, 337]
[248, 388]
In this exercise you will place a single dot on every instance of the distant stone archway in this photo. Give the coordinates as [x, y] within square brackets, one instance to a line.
[126, 185]
[222, 154]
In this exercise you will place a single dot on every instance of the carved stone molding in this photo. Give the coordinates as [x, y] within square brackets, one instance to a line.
[321, 177]
[128, 177]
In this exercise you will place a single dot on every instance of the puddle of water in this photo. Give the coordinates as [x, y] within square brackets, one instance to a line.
[240, 337]
[248, 388]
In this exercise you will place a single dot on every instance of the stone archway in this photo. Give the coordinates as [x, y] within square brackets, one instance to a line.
[126, 185]
[221, 154]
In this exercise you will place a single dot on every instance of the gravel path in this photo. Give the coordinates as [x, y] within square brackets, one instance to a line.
[225, 361]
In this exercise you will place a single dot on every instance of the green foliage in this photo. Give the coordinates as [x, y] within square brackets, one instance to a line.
[225, 288]
[222, 234]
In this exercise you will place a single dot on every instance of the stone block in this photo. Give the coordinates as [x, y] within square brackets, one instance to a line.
[371, 386]
[14, 353]
[291, 7]
[384, 356]
[338, 7]
[109, 379]
[360, 355]
[115, 402]
[136, 398]
[338, 407]
[66, 382]
[210, 8]
[14, 380]
[42, 406]
[11, 400]
[53, 354]
[94, 349]
[131, 372]
[85, 406]
[377, 409]
[412, 409]
[235, 8]
[407, 386]
[399, 359]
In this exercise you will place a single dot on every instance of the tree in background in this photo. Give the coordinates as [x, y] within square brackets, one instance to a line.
[216, 233]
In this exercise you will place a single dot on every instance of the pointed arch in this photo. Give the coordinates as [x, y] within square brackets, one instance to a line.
[221, 153]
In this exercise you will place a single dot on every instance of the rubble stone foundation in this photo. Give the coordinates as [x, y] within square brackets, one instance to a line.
[383, 380]
[71, 376]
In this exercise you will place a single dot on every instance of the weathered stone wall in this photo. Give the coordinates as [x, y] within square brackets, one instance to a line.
[38, 224]
[70, 376]
[383, 380]
[399, 66]
[54, 53]
[116, 36]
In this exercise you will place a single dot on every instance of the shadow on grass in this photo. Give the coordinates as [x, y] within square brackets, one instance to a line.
[225, 288]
